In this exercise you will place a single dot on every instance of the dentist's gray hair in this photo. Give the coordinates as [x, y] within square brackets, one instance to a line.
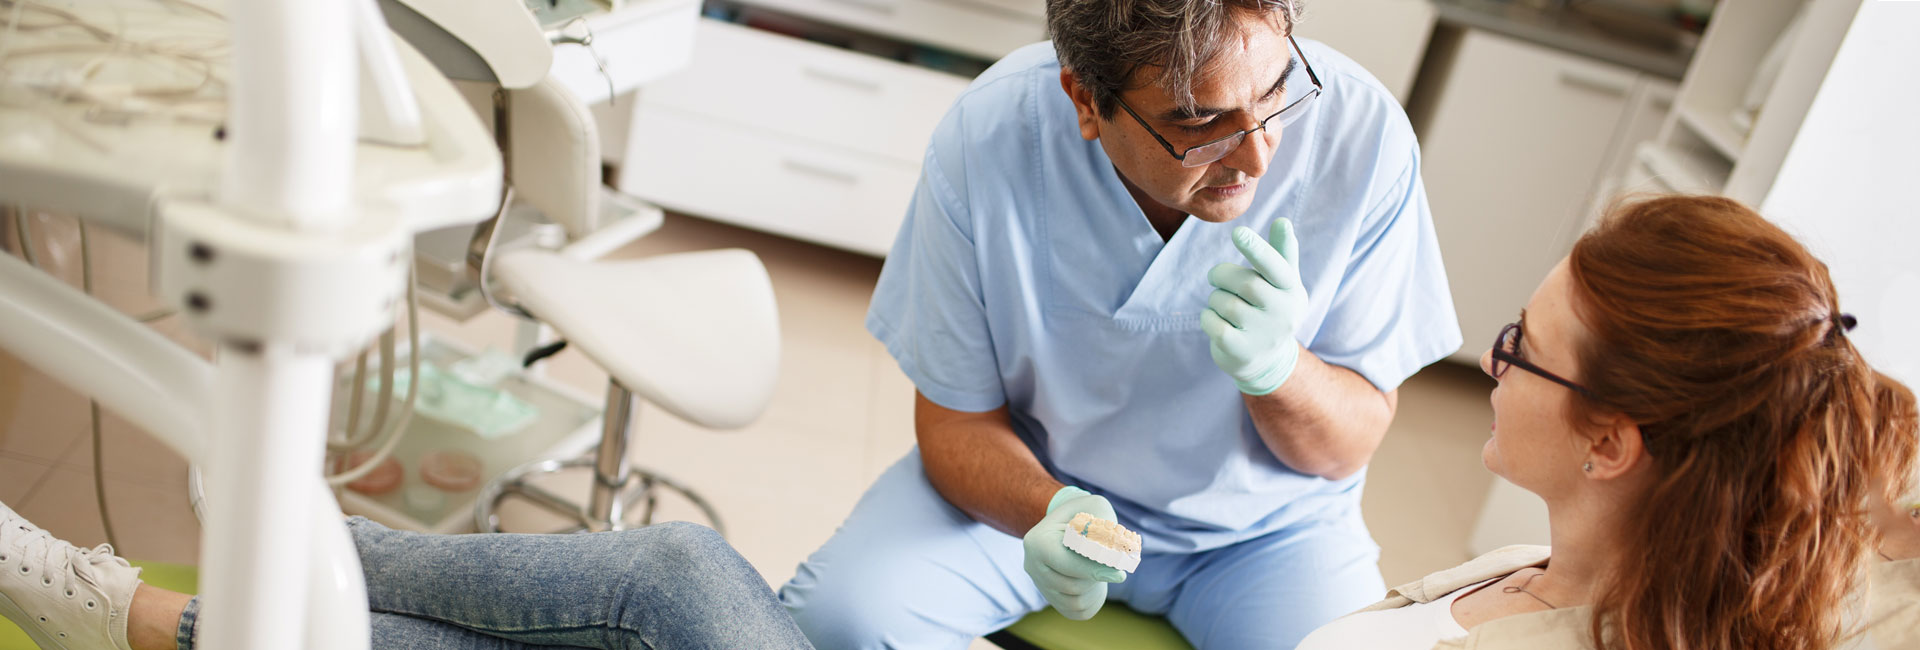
[1104, 42]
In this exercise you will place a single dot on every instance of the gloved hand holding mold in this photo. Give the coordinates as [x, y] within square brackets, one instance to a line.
[1073, 582]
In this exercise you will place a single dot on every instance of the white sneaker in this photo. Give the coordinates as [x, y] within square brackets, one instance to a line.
[64, 597]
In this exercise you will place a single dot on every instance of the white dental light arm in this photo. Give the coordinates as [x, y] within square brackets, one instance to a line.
[253, 271]
[293, 114]
[280, 237]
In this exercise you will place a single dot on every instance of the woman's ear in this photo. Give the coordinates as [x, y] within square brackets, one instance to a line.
[1615, 448]
[1083, 107]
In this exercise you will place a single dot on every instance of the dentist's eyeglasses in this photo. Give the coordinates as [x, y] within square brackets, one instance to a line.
[1206, 154]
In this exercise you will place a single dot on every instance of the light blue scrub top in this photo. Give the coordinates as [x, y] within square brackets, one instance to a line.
[1026, 275]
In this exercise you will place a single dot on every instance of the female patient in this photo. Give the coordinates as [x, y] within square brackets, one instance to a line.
[1682, 394]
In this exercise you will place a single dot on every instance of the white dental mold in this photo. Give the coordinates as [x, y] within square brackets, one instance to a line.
[1103, 541]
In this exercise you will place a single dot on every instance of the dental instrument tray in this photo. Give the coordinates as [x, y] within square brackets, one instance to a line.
[564, 424]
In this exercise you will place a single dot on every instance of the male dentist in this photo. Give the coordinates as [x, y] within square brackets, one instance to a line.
[1169, 269]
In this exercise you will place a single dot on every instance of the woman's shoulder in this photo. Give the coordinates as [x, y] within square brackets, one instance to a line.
[1536, 630]
[1557, 629]
[1893, 601]
[1499, 562]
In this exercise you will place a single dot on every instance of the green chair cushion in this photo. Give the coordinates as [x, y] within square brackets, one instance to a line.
[1116, 627]
[172, 577]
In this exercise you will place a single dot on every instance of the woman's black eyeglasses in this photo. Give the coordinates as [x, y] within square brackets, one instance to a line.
[1506, 352]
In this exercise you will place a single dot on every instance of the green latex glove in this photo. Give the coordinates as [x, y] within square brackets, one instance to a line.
[1253, 312]
[1073, 584]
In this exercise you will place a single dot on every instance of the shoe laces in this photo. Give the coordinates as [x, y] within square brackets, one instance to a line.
[59, 558]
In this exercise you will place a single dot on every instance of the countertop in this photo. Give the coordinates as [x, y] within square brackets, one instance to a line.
[1591, 29]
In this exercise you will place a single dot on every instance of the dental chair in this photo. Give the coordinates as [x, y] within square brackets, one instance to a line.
[695, 334]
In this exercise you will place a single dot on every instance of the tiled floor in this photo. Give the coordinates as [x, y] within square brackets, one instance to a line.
[841, 414]
[46, 445]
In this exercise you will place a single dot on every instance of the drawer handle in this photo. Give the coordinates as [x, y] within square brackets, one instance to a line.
[844, 79]
[822, 172]
[1590, 82]
[876, 6]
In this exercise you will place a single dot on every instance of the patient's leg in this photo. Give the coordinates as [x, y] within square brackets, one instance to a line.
[672, 585]
[153, 621]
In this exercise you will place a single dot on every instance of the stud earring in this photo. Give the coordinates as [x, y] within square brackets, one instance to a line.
[1587, 467]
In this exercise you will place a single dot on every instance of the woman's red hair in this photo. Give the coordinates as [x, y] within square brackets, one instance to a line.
[1721, 337]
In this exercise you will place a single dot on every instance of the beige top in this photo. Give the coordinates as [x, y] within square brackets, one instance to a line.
[1893, 605]
[1893, 619]
[1559, 629]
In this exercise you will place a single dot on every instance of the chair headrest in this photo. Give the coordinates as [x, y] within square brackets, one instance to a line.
[474, 40]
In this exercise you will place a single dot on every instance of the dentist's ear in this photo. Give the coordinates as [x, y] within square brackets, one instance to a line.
[1084, 110]
[1614, 449]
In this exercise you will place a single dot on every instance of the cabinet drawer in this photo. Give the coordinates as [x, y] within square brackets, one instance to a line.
[1516, 141]
[637, 43]
[1387, 37]
[772, 183]
[988, 29]
[809, 91]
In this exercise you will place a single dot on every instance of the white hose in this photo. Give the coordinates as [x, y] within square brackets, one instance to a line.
[398, 428]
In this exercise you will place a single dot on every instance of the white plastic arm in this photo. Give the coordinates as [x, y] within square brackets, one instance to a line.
[388, 111]
[130, 369]
[293, 113]
[337, 617]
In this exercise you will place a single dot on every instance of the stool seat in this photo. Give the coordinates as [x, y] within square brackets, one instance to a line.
[1116, 627]
[694, 333]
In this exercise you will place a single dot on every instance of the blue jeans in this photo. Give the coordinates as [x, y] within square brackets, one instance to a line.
[908, 570]
[671, 585]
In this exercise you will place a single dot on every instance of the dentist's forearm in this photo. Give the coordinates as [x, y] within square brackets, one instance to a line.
[979, 465]
[1325, 420]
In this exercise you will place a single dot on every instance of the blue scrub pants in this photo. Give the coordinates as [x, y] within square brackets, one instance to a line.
[909, 570]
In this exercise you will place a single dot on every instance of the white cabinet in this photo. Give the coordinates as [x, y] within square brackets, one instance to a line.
[767, 82]
[632, 45]
[1515, 140]
[768, 182]
[1826, 159]
[787, 136]
[987, 29]
[1829, 155]
[1387, 37]
[1625, 170]
[821, 143]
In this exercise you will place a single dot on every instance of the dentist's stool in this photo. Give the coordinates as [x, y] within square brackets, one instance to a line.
[695, 334]
[1115, 628]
